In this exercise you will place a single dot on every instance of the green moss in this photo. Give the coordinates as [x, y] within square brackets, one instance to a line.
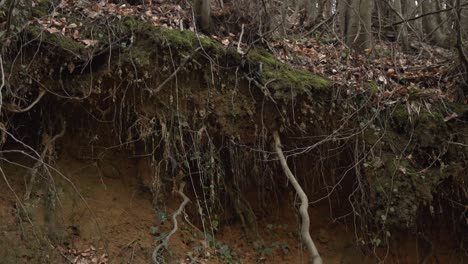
[285, 80]
[181, 39]
[459, 109]
[373, 87]
[263, 57]
[423, 122]
[140, 56]
[400, 117]
[430, 119]
[132, 23]
[97, 32]
[414, 92]
[41, 9]
[63, 42]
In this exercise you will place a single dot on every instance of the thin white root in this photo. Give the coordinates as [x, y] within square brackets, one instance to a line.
[179, 211]
[305, 235]
[239, 50]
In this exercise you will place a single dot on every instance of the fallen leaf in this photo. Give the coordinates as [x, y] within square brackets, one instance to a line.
[450, 117]
[53, 30]
[89, 42]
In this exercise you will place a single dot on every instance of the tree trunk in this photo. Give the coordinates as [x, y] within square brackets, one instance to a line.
[203, 15]
[328, 9]
[343, 7]
[310, 11]
[464, 19]
[402, 29]
[356, 23]
[431, 26]
[413, 10]
[442, 18]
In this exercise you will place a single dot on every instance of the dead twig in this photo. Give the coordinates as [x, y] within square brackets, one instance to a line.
[319, 25]
[179, 211]
[176, 71]
[305, 235]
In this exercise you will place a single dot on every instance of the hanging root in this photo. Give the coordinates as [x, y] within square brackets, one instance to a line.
[48, 145]
[165, 241]
[305, 235]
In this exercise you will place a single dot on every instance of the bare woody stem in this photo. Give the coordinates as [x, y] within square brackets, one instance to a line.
[179, 211]
[305, 235]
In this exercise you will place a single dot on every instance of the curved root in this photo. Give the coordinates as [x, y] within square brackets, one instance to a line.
[305, 235]
[165, 241]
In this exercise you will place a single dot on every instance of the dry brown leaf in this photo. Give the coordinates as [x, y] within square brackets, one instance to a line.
[53, 30]
[89, 42]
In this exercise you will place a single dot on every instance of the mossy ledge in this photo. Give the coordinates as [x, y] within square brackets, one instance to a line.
[283, 80]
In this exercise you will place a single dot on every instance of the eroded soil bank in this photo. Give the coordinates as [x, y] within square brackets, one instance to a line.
[96, 142]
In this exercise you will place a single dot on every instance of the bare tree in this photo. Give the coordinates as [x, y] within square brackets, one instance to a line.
[203, 14]
[401, 7]
[309, 9]
[432, 27]
[355, 16]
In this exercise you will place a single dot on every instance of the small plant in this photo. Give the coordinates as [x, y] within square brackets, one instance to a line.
[225, 252]
[281, 245]
[263, 251]
[161, 215]
[222, 250]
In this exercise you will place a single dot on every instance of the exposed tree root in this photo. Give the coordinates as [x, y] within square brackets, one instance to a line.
[305, 235]
[40, 162]
[16, 109]
[165, 241]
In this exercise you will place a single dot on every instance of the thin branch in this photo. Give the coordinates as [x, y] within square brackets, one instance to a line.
[176, 71]
[427, 14]
[319, 25]
[457, 143]
[305, 234]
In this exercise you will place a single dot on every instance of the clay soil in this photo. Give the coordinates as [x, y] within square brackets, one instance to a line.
[111, 211]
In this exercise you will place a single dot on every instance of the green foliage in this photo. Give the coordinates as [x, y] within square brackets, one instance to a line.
[223, 250]
[161, 215]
